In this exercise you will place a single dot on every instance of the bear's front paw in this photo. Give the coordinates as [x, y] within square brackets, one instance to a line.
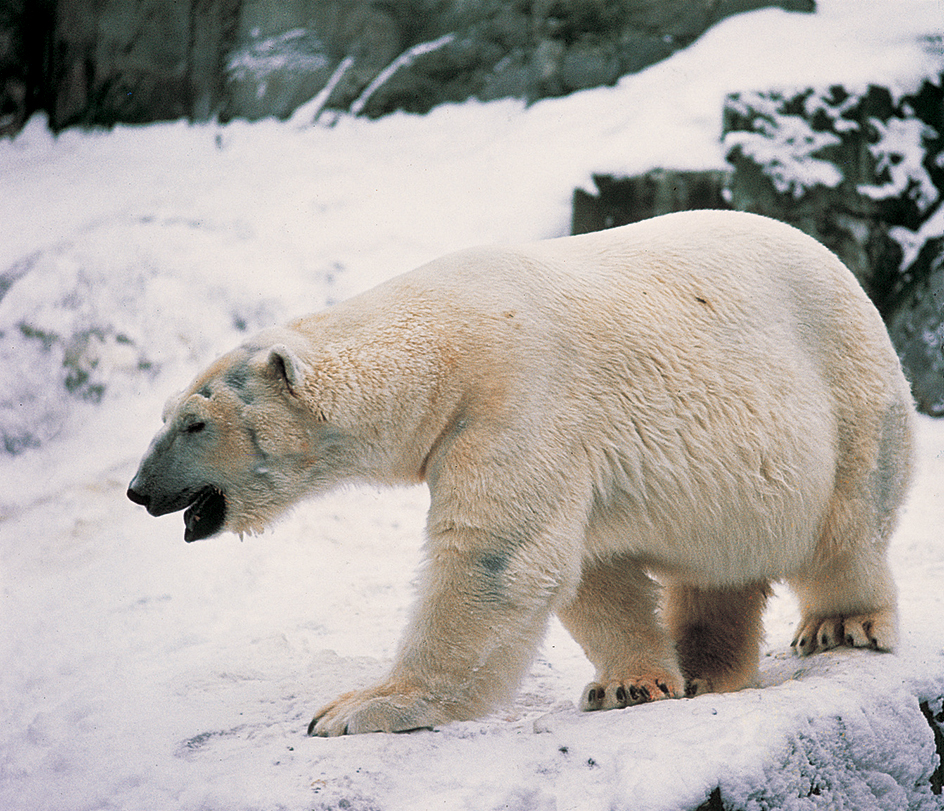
[383, 708]
[628, 692]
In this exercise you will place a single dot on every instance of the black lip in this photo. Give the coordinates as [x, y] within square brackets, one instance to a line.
[205, 514]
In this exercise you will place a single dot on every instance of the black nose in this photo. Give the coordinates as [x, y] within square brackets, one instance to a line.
[138, 498]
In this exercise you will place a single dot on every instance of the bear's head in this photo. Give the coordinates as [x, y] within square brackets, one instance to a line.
[240, 445]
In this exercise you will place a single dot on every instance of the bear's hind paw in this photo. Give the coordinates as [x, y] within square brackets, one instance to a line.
[876, 630]
[626, 693]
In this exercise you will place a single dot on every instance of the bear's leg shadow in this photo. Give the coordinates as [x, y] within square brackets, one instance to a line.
[717, 634]
[483, 607]
[614, 617]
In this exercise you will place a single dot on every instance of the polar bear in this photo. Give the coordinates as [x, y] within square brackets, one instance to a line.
[707, 398]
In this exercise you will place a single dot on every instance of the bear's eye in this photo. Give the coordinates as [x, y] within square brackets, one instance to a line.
[195, 427]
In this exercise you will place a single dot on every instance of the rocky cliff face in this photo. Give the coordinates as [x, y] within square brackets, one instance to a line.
[106, 61]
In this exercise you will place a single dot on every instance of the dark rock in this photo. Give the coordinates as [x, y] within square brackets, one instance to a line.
[274, 75]
[588, 66]
[844, 167]
[99, 62]
[637, 50]
[120, 62]
[536, 50]
[212, 35]
[916, 326]
[623, 200]
[23, 54]
[135, 62]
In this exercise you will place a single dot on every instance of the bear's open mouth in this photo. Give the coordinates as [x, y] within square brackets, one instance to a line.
[205, 514]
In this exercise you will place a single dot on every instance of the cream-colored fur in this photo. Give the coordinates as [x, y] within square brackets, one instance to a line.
[705, 397]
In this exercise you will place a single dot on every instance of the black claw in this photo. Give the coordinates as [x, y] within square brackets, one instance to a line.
[638, 694]
[663, 687]
[311, 726]
[621, 695]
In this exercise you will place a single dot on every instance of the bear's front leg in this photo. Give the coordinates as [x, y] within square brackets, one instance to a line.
[484, 604]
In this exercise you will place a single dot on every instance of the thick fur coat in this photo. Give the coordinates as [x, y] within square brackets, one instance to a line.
[706, 397]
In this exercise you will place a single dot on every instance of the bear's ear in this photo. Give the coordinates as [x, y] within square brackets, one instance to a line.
[285, 364]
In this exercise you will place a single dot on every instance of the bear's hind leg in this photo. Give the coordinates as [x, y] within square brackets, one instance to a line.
[717, 634]
[847, 594]
[614, 617]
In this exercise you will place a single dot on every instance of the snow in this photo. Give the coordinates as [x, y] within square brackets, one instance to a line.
[141, 672]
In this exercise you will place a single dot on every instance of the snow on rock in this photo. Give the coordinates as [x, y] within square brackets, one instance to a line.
[142, 672]
[784, 145]
[897, 150]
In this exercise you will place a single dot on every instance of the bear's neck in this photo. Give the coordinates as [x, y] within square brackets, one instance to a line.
[391, 389]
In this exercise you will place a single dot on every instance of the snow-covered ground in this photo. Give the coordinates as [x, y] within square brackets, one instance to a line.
[138, 672]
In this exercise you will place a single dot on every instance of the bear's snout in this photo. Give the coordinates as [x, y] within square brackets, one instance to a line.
[156, 500]
[139, 498]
